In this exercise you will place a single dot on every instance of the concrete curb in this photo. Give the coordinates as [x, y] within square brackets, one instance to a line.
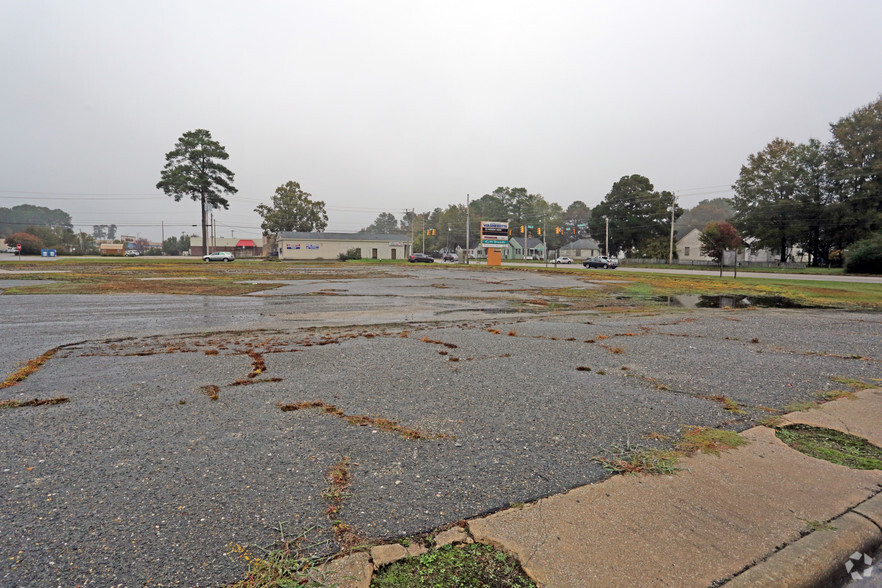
[819, 559]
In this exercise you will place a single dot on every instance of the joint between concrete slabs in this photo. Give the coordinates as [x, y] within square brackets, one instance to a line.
[871, 509]
[817, 559]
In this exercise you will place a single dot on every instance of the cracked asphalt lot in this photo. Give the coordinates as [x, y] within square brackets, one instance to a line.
[142, 478]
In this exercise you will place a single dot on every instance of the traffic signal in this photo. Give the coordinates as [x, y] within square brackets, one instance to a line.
[522, 229]
[557, 230]
[428, 232]
[539, 230]
[433, 232]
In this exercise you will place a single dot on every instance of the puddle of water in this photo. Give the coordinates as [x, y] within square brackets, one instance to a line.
[729, 301]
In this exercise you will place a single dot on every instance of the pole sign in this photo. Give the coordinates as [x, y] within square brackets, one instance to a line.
[494, 235]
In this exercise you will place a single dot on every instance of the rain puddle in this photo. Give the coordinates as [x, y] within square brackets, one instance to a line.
[730, 301]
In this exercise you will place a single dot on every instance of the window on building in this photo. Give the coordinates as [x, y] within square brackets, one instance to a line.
[685, 252]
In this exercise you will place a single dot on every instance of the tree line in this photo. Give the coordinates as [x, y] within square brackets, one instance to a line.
[823, 197]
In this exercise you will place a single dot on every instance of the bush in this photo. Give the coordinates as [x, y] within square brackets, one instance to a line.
[865, 256]
[30, 244]
[353, 253]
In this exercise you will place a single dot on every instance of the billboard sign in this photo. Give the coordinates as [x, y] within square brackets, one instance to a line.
[494, 234]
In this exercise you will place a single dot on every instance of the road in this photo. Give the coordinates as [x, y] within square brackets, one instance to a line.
[142, 478]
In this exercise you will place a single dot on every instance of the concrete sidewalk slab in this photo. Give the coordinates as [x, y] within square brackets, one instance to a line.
[861, 415]
[719, 516]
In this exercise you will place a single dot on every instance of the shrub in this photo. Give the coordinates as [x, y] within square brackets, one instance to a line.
[353, 253]
[865, 256]
[30, 244]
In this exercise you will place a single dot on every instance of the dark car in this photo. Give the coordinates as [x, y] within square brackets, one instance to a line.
[420, 257]
[601, 261]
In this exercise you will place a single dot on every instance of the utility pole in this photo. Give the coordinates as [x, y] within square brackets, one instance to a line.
[412, 214]
[468, 226]
[162, 224]
[607, 235]
[424, 232]
[671, 252]
[544, 244]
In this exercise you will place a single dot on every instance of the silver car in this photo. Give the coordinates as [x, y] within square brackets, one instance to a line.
[219, 256]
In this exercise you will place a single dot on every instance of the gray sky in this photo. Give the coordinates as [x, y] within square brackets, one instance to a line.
[381, 106]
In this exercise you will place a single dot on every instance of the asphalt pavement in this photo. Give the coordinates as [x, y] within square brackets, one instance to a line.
[143, 478]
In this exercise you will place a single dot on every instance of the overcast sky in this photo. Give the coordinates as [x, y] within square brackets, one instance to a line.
[382, 106]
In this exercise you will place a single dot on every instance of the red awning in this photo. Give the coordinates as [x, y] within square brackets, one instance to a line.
[245, 243]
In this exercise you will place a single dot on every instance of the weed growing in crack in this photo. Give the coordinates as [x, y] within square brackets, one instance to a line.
[634, 459]
[707, 440]
[818, 525]
[21, 374]
[212, 390]
[285, 563]
[800, 406]
[34, 402]
[830, 395]
[382, 424]
[773, 422]
[852, 383]
[258, 365]
[247, 382]
[728, 404]
[448, 345]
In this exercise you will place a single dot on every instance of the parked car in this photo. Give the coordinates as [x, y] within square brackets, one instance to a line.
[563, 260]
[420, 258]
[131, 253]
[12, 250]
[601, 261]
[450, 257]
[219, 256]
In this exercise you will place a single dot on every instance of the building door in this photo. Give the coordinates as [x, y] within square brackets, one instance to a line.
[374, 253]
[394, 252]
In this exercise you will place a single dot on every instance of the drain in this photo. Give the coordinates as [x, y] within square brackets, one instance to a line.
[834, 446]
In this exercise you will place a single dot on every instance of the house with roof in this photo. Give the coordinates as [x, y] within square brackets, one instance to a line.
[689, 248]
[581, 249]
[297, 245]
[535, 248]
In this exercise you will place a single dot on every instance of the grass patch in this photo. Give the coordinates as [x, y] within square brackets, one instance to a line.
[462, 565]
[643, 287]
[834, 446]
[706, 440]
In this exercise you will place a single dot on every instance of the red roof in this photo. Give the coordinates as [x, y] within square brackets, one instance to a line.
[245, 243]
